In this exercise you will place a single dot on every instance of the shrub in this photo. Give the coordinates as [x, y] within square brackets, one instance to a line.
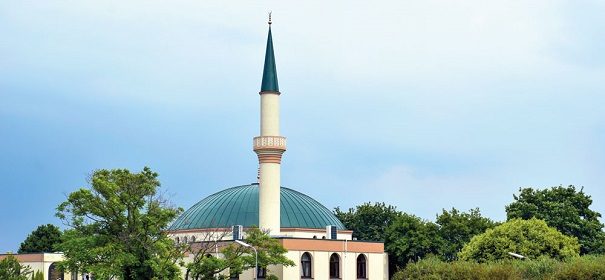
[531, 238]
[579, 268]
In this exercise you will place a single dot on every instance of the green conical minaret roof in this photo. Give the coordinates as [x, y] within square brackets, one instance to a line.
[270, 71]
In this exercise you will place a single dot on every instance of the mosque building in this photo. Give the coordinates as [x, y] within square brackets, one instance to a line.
[317, 242]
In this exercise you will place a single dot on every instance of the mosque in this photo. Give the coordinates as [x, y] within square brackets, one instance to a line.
[317, 242]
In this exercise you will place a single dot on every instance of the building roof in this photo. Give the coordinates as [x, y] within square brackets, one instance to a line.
[270, 70]
[239, 206]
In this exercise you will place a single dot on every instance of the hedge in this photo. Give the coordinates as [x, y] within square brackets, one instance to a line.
[579, 268]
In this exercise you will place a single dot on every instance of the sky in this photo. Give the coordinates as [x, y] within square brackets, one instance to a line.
[423, 105]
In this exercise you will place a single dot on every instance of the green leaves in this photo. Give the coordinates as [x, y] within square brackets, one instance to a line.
[10, 269]
[564, 208]
[42, 239]
[457, 228]
[368, 221]
[410, 238]
[118, 227]
[531, 238]
[236, 258]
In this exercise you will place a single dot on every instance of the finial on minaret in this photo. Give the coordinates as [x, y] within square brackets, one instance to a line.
[270, 18]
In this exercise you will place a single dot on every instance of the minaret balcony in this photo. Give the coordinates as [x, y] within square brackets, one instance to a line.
[270, 143]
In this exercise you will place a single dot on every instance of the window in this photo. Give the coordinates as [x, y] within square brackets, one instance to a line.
[185, 239]
[54, 273]
[362, 272]
[193, 238]
[334, 266]
[261, 272]
[305, 265]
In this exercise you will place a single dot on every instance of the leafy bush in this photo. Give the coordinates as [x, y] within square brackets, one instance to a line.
[531, 238]
[587, 267]
[580, 268]
[11, 269]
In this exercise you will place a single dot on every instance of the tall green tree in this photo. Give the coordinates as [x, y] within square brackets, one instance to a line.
[118, 228]
[11, 269]
[410, 238]
[457, 228]
[531, 238]
[234, 257]
[368, 222]
[42, 239]
[564, 208]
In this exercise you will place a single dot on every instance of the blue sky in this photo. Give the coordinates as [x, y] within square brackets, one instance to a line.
[421, 104]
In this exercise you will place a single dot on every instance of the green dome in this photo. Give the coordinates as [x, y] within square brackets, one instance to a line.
[239, 206]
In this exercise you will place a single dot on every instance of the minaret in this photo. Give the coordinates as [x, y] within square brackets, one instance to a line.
[269, 146]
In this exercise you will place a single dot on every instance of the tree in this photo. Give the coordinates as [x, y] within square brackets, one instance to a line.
[409, 238]
[118, 228]
[457, 228]
[565, 209]
[531, 238]
[368, 222]
[42, 239]
[235, 258]
[11, 269]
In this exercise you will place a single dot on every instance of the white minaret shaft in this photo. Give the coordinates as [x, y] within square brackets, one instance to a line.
[269, 146]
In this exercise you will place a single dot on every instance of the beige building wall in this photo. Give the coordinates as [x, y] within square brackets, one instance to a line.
[320, 265]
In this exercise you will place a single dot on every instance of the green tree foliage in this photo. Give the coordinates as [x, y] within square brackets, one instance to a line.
[38, 275]
[531, 238]
[587, 267]
[457, 228]
[42, 239]
[11, 269]
[564, 208]
[236, 258]
[368, 221]
[118, 228]
[410, 238]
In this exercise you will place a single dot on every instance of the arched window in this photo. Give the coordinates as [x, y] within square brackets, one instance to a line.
[178, 239]
[334, 266]
[362, 272]
[193, 238]
[185, 239]
[54, 273]
[305, 265]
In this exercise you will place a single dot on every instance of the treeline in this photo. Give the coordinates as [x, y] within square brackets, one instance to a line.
[556, 223]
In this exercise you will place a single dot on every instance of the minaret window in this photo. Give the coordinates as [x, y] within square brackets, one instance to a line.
[305, 265]
[334, 266]
[362, 272]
